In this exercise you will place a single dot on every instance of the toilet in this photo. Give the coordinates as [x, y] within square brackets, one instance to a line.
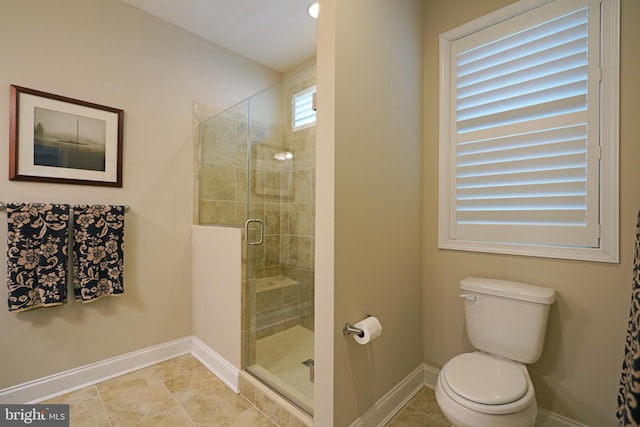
[506, 323]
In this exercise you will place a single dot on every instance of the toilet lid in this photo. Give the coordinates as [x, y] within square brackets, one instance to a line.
[485, 380]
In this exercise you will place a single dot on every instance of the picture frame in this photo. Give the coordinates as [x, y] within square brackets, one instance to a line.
[53, 138]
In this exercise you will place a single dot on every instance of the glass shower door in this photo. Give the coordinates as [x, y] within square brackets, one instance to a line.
[278, 244]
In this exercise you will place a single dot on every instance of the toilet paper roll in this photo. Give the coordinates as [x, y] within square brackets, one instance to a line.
[371, 329]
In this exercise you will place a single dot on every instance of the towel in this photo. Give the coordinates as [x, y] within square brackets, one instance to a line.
[628, 411]
[98, 251]
[37, 239]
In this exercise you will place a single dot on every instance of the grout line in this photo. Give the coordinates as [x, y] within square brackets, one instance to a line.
[172, 396]
[253, 406]
[104, 408]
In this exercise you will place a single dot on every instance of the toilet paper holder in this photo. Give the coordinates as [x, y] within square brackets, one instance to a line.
[349, 329]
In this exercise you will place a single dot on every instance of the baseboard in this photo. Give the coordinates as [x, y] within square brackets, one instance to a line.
[84, 376]
[550, 419]
[430, 376]
[217, 364]
[385, 408]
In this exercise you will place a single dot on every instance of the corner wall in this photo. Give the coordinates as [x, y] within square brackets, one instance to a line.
[111, 53]
[368, 204]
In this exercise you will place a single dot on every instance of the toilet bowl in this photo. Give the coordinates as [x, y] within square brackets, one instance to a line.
[480, 390]
[505, 322]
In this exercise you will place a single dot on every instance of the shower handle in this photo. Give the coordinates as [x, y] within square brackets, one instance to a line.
[246, 231]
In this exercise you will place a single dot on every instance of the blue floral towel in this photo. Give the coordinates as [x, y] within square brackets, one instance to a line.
[628, 412]
[98, 251]
[37, 238]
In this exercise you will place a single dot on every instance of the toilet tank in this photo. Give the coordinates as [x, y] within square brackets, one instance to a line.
[505, 318]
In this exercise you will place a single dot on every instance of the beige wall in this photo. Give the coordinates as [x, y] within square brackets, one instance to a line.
[578, 373]
[110, 53]
[369, 233]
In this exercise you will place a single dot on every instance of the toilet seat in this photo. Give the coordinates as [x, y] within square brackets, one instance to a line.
[487, 384]
[485, 380]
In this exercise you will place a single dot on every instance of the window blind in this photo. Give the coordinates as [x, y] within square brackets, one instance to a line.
[526, 156]
[304, 114]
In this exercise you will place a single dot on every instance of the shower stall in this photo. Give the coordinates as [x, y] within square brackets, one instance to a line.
[257, 171]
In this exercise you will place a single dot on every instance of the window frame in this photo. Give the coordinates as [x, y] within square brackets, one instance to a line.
[608, 206]
[306, 91]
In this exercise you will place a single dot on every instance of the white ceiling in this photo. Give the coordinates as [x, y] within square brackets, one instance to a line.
[277, 33]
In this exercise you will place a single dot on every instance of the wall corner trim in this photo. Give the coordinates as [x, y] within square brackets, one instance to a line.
[393, 401]
[217, 364]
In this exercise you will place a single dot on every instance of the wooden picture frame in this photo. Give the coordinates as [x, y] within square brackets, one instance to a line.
[57, 139]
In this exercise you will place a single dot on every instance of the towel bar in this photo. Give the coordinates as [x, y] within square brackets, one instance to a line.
[3, 207]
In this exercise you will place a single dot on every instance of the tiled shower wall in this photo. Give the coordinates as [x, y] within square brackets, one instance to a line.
[223, 169]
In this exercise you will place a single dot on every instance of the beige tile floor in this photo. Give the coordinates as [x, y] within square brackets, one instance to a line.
[183, 392]
[421, 411]
[178, 392]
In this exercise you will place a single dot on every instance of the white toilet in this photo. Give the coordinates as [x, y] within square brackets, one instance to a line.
[506, 322]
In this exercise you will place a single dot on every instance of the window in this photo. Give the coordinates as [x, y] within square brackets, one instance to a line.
[529, 131]
[304, 113]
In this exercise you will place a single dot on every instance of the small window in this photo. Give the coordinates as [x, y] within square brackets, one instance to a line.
[304, 113]
[528, 131]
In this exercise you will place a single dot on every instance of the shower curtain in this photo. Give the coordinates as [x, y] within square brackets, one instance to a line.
[628, 412]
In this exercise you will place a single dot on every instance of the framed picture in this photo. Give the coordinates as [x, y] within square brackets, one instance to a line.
[53, 138]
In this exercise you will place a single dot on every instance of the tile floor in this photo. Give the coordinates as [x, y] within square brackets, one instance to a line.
[421, 411]
[178, 392]
[183, 392]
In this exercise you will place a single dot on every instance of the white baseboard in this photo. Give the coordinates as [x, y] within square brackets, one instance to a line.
[384, 409]
[217, 364]
[84, 376]
[550, 419]
[430, 376]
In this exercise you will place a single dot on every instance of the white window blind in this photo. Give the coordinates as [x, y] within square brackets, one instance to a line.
[304, 114]
[525, 98]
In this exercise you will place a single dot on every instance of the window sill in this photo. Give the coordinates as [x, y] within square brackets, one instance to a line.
[581, 254]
